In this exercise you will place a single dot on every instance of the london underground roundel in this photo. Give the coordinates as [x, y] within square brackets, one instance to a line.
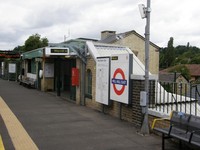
[120, 71]
[119, 81]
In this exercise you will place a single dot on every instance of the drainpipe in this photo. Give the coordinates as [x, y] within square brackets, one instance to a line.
[83, 85]
[21, 55]
[83, 67]
[58, 77]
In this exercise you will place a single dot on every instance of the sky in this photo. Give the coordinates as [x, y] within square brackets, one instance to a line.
[56, 19]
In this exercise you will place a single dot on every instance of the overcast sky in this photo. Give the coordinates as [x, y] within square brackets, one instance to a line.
[87, 18]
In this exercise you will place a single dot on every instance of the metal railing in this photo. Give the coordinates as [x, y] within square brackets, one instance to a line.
[170, 96]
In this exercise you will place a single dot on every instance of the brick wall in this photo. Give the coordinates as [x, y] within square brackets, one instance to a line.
[90, 102]
[132, 112]
[138, 85]
[127, 113]
[136, 44]
[160, 124]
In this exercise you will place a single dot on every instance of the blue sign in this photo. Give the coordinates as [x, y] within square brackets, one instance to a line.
[119, 81]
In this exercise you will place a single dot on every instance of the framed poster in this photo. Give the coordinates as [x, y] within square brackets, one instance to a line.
[102, 80]
[11, 68]
[49, 70]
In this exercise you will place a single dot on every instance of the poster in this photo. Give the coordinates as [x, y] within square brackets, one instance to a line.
[49, 70]
[102, 80]
[12, 68]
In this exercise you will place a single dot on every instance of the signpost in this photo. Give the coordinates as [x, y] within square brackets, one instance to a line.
[121, 68]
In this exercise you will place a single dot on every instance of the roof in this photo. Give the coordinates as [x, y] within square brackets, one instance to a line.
[115, 37]
[76, 47]
[9, 54]
[106, 50]
[33, 54]
[168, 77]
[87, 39]
[194, 69]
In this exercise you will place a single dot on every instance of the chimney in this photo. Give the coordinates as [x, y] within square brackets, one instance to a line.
[107, 33]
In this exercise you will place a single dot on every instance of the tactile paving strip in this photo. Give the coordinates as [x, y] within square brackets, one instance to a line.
[20, 138]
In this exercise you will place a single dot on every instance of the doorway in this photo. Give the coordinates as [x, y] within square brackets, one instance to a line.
[63, 69]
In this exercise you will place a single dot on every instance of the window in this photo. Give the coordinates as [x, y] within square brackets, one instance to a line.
[89, 84]
[31, 66]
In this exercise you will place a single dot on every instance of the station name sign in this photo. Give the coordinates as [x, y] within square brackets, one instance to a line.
[61, 51]
[114, 57]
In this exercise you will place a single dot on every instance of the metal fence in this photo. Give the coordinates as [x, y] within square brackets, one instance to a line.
[170, 96]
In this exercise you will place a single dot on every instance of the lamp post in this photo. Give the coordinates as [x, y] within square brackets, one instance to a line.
[145, 13]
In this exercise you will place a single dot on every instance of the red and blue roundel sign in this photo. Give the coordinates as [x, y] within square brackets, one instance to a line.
[117, 81]
[120, 70]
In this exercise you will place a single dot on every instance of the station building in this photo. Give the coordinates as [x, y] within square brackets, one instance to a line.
[9, 65]
[50, 68]
[98, 75]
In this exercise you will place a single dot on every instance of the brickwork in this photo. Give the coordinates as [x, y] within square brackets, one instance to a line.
[131, 113]
[138, 85]
[90, 102]
[136, 44]
[114, 108]
[127, 113]
[160, 124]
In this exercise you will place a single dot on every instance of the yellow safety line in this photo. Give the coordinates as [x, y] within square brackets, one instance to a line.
[1, 144]
[20, 138]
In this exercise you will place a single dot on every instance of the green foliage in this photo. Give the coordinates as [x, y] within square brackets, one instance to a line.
[170, 56]
[162, 58]
[170, 53]
[168, 87]
[181, 69]
[167, 55]
[19, 49]
[195, 60]
[34, 42]
[187, 55]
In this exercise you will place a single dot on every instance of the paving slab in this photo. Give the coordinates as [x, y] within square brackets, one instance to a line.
[56, 124]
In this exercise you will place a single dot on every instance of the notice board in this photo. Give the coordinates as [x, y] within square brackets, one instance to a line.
[49, 70]
[102, 80]
[12, 68]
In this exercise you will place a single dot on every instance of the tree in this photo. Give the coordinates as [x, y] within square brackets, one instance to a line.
[34, 42]
[188, 45]
[170, 53]
[19, 49]
[181, 54]
[167, 55]
[162, 61]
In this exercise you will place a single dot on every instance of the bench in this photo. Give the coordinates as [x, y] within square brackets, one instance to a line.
[182, 126]
[28, 82]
